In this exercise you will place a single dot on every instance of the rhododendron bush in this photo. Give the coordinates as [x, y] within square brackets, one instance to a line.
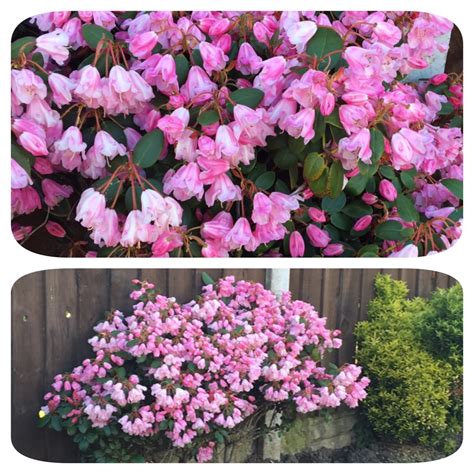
[234, 134]
[185, 377]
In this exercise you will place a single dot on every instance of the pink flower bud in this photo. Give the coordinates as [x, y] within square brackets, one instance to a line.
[54, 192]
[333, 250]
[248, 61]
[34, 144]
[369, 198]
[318, 237]
[327, 105]
[296, 244]
[387, 190]
[62, 88]
[317, 215]
[438, 79]
[362, 223]
[55, 229]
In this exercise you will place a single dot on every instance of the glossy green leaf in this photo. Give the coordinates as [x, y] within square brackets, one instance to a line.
[335, 179]
[314, 167]
[285, 159]
[25, 45]
[182, 68]
[265, 181]
[455, 186]
[376, 144]
[325, 41]
[250, 97]
[207, 279]
[93, 34]
[208, 117]
[406, 209]
[148, 149]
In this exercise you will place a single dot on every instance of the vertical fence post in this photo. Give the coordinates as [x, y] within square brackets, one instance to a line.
[278, 281]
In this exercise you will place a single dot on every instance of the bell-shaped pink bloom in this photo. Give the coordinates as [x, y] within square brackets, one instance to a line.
[198, 86]
[19, 177]
[248, 61]
[40, 112]
[166, 243]
[174, 212]
[362, 223]
[153, 205]
[107, 232]
[387, 190]
[164, 75]
[88, 87]
[213, 57]
[222, 189]
[25, 200]
[174, 124]
[107, 146]
[300, 33]
[226, 143]
[277, 113]
[26, 85]
[297, 246]
[185, 183]
[218, 227]
[142, 45]
[250, 128]
[62, 88]
[282, 205]
[240, 234]
[54, 44]
[54, 192]
[33, 143]
[119, 79]
[272, 70]
[402, 151]
[300, 124]
[69, 150]
[317, 237]
[91, 207]
[355, 147]
[262, 209]
[135, 229]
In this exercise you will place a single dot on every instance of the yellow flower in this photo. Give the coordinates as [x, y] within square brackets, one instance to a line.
[41, 414]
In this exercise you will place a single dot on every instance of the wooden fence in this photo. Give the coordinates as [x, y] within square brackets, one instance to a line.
[53, 313]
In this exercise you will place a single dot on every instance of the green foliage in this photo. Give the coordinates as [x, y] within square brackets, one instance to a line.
[411, 392]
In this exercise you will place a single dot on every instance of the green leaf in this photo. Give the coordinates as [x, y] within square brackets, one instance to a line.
[376, 144]
[314, 166]
[320, 185]
[207, 279]
[24, 158]
[133, 342]
[250, 97]
[331, 206]
[265, 181]
[388, 172]
[357, 209]
[182, 68]
[406, 209]
[25, 45]
[120, 371]
[156, 363]
[371, 250]
[148, 149]
[56, 423]
[285, 159]
[219, 438]
[392, 230]
[357, 184]
[296, 145]
[93, 34]
[455, 186]
[341, 221]
[446, 109]
[407, 178]
[208, 117]
[325, 41]
[334, 119]
[335, 179]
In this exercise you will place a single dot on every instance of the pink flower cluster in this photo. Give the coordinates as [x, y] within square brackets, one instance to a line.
[189, 370]
[177, 74]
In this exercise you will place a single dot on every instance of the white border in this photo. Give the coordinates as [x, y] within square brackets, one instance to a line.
[17, 262]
